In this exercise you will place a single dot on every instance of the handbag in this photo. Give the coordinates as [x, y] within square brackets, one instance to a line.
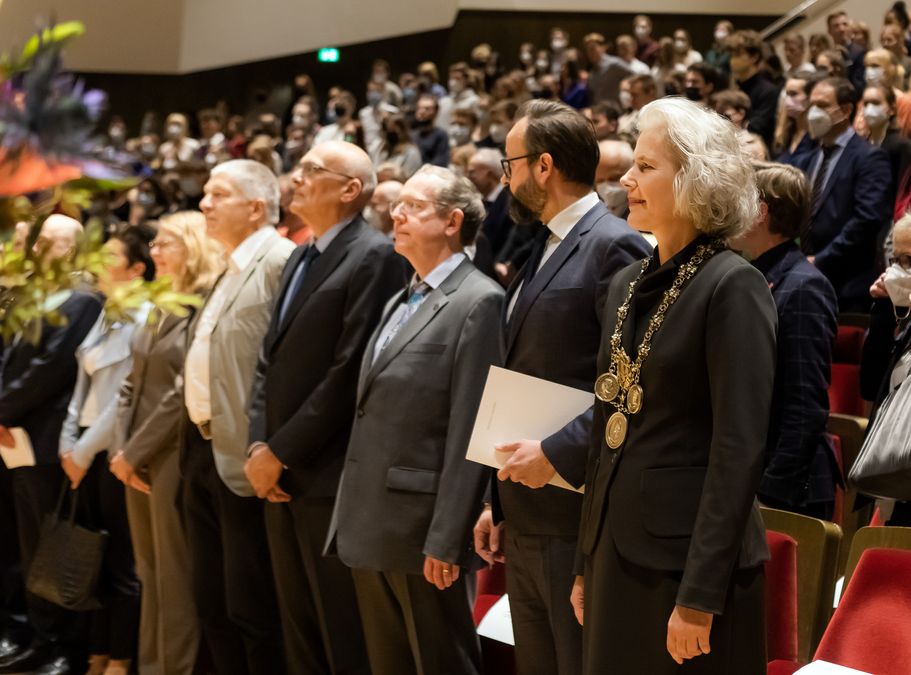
[67, 561]
[883, 466]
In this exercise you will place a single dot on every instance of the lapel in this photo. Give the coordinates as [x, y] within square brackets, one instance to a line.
[844, 159]
[319, 270]
[435, 301]
[544, 275]
[244, 277]
[287, 274]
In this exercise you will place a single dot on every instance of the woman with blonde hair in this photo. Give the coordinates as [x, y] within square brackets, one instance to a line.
[671, 538]
[882, 67]
[147, 458]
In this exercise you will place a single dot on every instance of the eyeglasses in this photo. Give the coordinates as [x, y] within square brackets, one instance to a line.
[163, 244]
[903, 260]
[507, 163]
[311, 169]
[410, 206]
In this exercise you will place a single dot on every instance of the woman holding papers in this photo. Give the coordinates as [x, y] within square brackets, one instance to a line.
[671, 539]
[105, 357]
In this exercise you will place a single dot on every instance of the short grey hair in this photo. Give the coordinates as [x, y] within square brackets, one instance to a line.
[490, 158]
[714, 187]
[457, 192]
[620, 150]
[254, 181]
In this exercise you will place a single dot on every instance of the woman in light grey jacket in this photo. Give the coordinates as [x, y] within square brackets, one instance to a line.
[105, 359]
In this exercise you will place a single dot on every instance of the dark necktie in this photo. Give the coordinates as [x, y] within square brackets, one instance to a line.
[297, 279]
[820, 181]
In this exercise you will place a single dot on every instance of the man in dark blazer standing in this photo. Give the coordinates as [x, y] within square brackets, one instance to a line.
[36, 383]
[552, 331]
[330, 298]
[800, 468]
[408, 497]
[850, 185]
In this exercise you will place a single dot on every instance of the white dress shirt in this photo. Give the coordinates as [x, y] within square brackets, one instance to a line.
[560, 226]
[196, 373]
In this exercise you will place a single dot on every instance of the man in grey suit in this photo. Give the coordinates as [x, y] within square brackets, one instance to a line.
[232, 578]
[408, 497]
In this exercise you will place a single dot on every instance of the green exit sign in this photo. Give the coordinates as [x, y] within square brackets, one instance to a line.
[327, 55]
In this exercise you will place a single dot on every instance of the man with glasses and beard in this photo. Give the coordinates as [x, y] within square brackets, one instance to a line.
[552, 331]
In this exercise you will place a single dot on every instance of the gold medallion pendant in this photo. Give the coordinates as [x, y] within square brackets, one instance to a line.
[607, 387]
[634, 399]
[615, 432]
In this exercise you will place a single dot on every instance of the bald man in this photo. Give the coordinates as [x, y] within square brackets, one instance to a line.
[330, 298]
[616, 160]
[36, 383]
[381, 205]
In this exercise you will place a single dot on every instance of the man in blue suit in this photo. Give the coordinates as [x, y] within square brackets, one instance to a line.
[850, 182]
[552, 331]
[800, 471]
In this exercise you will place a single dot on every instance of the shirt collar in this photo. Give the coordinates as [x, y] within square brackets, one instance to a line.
[844, 137]
[243, 255]
[441, 272]
[562, 223]
[493, 194]
[322, 242]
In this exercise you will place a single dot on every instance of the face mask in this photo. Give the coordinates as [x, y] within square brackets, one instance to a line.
[614, 196]
[642, 32]
[148, 149]
[794, 106]
[340, 110]
[117, 134]
[456, 86]
[526, 57]
[300, 120]
[721, 35]
[680, 46]
[875, 115]
[374, 98]
[694, 93]
[330, 115]
[558, 45]
[497, 133]
[408, 93]
[380, 78]
[459, 134]
[174, 130]
[898, 285]
[169, 164]
[392, 138]
[626, 100]
[145, 199]
[874, 74]
[542, 64]
[819, 122]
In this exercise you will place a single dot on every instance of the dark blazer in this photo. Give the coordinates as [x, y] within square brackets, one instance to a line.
[679, 494]
[407, 490]
[497, 225]
[800, 464]
[151, 397]
[305, 386]
[553, 334]
[853, 208]
[37, 380]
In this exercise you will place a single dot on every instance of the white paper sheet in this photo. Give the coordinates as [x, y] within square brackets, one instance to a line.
[497, 623]
[515, 407]
[21, 454]
[826, 668]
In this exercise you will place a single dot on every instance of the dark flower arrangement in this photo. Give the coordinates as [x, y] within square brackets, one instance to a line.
[47, 121]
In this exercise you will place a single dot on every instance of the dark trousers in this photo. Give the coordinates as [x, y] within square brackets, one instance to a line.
[413, 628]
[36, 490]
[102, 505]
[231, 570]
[539, 580]
[627, 608]
[13, 620]
[318, 604]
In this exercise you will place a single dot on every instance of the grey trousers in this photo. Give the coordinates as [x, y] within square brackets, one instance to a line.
[169, 628]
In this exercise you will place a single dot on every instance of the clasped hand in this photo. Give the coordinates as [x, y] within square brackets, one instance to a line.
[263, 469]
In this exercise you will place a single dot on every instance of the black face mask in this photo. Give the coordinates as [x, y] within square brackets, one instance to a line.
[671, 90]
[693, 93]
[340, 110]
[392, 138]
[423, 123]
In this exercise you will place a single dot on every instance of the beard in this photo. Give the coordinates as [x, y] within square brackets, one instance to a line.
[527, 203]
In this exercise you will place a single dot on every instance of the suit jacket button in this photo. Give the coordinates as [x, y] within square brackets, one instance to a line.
[360, 412]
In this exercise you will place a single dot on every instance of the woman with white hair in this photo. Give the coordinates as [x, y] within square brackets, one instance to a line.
[671, 536]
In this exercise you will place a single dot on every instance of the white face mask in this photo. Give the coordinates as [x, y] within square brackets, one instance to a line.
[459, 134]
[626, 100]
[497, 133]
[875, 115]
[614, 197]
[558, 44]
[455, 86]
[721, 35]
[680, 46]
[174, 130]
[641, 31]
[819, 122]
[874, 74]
[898, 284]
[542, 64]
[795, 106]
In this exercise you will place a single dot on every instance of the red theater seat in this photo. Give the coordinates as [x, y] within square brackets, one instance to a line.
[871, 629]
[844, 391]
[781, 597]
